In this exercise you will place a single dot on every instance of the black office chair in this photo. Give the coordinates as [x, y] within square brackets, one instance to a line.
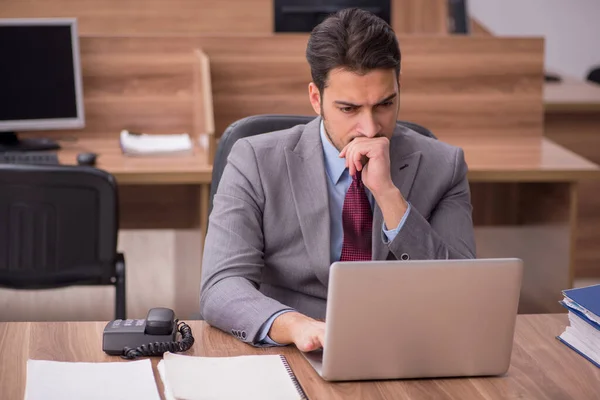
[594, 75]
[256, 124]
[59, 227]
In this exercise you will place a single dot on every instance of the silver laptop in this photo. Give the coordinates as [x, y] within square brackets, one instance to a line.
[419, 319]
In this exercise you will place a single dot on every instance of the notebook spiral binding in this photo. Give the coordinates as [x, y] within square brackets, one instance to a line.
[293, 377]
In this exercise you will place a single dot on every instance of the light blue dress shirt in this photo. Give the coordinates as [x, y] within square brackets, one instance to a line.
[338, 182]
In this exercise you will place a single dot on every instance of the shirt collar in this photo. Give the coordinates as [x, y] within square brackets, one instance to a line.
[334, 165]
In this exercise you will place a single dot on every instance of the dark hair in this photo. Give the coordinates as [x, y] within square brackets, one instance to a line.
[353, 39]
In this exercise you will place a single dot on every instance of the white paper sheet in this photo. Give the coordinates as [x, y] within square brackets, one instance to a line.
[49, 380]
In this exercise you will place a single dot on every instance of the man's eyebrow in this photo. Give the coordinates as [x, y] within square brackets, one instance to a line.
[345, 103]
[348, 104]
[390, 97]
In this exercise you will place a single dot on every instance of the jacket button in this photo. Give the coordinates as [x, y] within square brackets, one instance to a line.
[405, 257]
[244, 335]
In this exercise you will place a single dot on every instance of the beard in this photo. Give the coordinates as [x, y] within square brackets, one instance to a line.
[327, 130]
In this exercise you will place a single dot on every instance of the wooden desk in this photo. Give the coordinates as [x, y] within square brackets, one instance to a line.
[572, 95]
[541, 366]
[572, 119]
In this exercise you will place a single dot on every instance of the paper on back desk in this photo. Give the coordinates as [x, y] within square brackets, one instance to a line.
[51, 380]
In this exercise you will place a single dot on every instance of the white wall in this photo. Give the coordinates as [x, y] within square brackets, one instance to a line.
[571, 28]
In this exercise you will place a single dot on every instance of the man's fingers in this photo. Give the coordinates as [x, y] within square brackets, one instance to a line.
[311, 344]
[358, 152]
[350, 158]
[358, 165]
[322, 339]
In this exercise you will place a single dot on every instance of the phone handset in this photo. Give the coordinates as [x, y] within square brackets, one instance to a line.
[150, 337]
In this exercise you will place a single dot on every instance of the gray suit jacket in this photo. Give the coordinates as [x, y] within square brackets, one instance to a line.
[268, 248]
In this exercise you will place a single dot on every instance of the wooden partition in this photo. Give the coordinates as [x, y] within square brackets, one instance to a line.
[225, 17]
[456, 86]
[143, 92]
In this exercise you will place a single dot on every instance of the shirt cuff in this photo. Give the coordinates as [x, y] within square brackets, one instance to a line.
[263, 332]
[389, 235]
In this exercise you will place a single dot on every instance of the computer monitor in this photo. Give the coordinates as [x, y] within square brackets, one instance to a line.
[458, 17]
[304, 15]
[40, 80]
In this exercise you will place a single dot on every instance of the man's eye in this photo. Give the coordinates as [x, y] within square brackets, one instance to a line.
[347, 109]
[387, 104]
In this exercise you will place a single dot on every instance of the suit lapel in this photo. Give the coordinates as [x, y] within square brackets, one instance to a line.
[306, 171]
[403, 169]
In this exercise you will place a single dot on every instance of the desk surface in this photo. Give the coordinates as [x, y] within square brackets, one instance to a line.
[541, 367]
[572, 95]
[498, 159]
[523, 159]
[139, 170]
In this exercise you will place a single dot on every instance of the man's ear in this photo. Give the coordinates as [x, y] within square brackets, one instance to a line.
[315, 97]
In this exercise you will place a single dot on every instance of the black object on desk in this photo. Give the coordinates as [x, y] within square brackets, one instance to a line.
[29, 157]
[153, 336]
[552, 78]
[594, 75]
[88, 159]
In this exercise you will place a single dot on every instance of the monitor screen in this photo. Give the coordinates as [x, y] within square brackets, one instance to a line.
[458, 17]
[304, 15]
[40, 75]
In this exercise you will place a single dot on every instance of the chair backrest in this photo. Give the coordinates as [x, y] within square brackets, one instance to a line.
[257, 124]
[594, 75]
[58, 226]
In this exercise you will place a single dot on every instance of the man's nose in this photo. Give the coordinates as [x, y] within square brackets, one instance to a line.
[369, 127]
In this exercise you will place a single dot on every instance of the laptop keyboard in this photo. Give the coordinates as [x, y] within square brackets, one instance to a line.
[35, 158]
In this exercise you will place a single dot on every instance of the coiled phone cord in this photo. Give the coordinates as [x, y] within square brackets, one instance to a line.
[159, 348]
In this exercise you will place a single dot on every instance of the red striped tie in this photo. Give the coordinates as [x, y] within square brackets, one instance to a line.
[357, 221]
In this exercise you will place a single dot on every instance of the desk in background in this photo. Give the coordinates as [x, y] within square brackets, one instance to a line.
[541, 366]
[572, 119]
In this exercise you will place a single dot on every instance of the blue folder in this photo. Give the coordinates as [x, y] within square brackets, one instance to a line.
[580, 315]
[586, 297]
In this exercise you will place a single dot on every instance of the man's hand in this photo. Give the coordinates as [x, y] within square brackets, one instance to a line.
[292, 327]
[372, 157]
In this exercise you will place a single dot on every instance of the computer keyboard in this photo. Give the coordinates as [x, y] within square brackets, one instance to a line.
[25, 157]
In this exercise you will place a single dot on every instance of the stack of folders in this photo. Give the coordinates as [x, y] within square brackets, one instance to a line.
[583, 334]
[140, 144]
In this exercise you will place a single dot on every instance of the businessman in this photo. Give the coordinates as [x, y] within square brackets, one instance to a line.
[350, 185]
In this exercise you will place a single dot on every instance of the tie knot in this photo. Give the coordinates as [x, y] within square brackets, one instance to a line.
[357, 177]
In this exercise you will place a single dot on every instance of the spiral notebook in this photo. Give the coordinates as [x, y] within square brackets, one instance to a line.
[263, 377]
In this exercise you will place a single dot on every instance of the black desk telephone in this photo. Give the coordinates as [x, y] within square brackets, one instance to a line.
[152, 336]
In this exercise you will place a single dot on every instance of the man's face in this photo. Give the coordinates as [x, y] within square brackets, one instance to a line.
[354, 105]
